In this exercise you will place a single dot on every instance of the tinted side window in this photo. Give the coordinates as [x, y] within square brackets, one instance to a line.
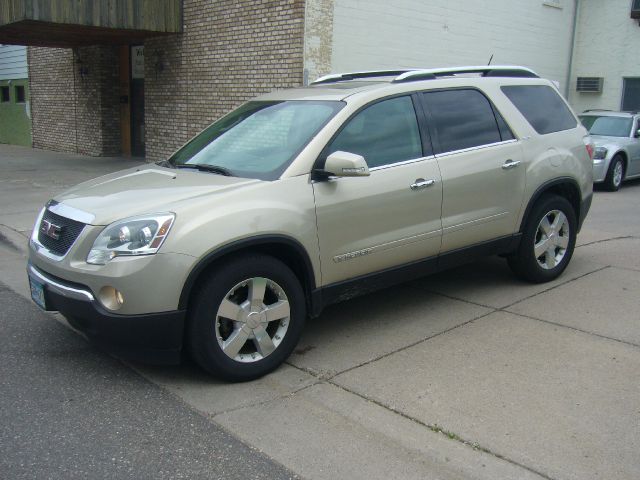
[384, 133]
[541, 106]
[462, 119]
[505, 131]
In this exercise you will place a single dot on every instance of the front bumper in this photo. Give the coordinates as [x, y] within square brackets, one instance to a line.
[151, 338]
[600, 169]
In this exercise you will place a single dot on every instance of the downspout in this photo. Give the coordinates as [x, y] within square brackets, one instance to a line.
[572, 47]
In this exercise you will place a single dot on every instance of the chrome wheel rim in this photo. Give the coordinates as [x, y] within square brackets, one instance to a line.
[617, 174]
[552, 239]
[252, 320]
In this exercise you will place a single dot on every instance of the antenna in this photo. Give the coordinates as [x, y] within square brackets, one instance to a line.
[490, 58]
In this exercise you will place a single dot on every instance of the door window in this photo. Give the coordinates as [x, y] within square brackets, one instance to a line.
[463, 119]
[383, 133]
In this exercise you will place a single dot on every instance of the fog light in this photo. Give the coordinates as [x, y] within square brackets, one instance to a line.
[111, 298]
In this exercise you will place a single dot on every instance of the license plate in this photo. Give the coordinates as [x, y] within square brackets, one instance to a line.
[37, 293]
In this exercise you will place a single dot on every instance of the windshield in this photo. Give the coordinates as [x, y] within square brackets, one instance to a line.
[607, 125]
[257, 140]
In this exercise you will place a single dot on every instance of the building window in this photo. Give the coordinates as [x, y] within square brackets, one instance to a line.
[4, 94]
[20, 94]
[631, 95]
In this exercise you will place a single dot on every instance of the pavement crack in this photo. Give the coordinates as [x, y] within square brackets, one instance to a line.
[554, 287]
[605, 240]
[575, 329]
[434, 427]
[452, 297]
[406, 347]
[264, 402]
[8, 243]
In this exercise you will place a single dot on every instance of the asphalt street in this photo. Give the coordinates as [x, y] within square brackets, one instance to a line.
[69, 411]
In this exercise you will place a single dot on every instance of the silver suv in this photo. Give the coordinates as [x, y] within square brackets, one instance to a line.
[305, 197]
[616, 137]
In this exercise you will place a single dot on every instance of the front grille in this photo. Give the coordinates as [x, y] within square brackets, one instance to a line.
[68, 233]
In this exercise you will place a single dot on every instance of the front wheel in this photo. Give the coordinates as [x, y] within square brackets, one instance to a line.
[547, 242]
[246, 318]
[615, 174]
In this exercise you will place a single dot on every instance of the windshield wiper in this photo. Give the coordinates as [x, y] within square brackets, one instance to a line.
[203, 167]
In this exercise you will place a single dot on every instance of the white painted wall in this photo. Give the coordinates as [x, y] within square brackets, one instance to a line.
[13, 62]
[374, 34]
[607, 45]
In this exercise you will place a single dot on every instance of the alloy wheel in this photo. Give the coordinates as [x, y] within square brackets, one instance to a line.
[252, 320]
[617, 174]
[551, 240]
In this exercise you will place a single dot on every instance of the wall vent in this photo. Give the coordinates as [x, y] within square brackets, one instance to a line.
[589, 84]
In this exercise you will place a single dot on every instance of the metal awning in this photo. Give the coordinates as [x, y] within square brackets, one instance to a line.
[71, 23]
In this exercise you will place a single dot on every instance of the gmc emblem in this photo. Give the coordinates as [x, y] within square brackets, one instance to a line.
[50, 229]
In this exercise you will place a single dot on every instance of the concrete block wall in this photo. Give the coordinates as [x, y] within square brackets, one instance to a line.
[230, 51]
[318, 38]
[74, 111]
[378, 34]
[607, 44]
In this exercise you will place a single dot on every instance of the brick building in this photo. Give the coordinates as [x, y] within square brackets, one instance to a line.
[141, 77]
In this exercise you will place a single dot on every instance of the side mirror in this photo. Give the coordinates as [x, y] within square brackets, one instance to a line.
[344, 164]
[637, 133]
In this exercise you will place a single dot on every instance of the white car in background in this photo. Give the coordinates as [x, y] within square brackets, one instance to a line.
[616, 136]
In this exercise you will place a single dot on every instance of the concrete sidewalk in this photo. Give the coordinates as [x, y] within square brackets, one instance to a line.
[467, 374]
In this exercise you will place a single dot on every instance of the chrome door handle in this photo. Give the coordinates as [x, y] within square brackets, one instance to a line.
[421, 183]
[510, 164]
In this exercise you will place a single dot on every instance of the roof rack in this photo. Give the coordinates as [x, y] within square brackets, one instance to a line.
[416, 74]
[341, 77]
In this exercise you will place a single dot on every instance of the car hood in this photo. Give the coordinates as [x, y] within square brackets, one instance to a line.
[142, 190]
[604, 141]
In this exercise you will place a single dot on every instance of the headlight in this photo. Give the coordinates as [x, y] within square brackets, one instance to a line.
[599, 153]
[142, 235]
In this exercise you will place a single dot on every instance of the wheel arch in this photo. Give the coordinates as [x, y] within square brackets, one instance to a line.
[566, 187]
[285, 249]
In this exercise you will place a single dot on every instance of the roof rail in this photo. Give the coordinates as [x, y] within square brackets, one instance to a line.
[341, 77]
[485, 71]
[416, 74]
[597, 110]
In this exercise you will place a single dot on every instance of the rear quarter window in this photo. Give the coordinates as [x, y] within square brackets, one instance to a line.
[542, 106]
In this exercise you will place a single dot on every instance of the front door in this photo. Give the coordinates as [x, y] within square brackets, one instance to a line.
[392, 217]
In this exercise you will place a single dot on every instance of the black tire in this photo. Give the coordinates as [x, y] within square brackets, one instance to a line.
[524, 263]
[612, 182]
[205, 329]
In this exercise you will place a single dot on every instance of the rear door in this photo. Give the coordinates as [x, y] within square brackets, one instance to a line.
[481, 165]
[392, 217]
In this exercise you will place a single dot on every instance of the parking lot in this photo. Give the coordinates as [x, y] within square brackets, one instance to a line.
[466, 374]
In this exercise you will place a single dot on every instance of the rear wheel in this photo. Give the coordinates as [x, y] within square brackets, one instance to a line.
[615, 174]
[246, 318]
[547, 242]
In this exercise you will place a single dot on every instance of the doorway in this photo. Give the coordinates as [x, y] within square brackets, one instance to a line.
[132, 131]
